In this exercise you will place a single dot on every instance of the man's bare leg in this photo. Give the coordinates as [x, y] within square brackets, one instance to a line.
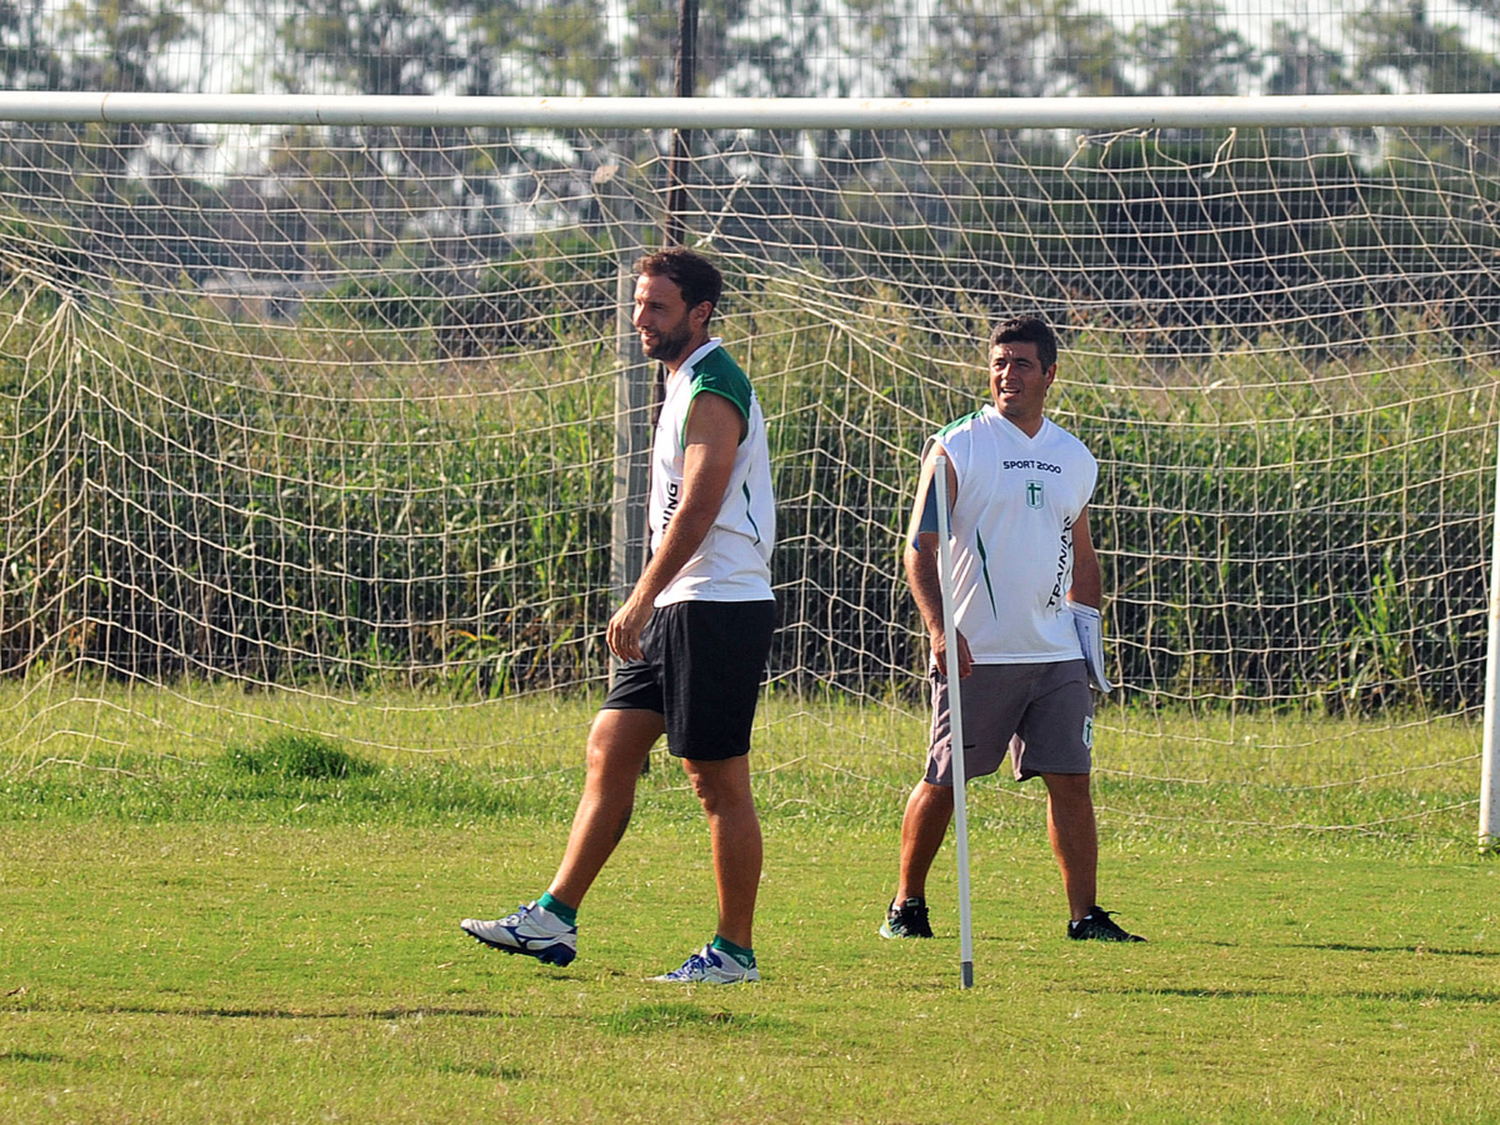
[618, 744]
[1075, 838]
[734, 832]
[929, 809]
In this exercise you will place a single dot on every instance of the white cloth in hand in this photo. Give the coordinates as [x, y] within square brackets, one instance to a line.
[1090, 629]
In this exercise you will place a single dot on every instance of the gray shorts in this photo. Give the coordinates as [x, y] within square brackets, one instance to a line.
[1042, 714]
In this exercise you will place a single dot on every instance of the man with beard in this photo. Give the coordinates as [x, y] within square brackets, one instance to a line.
[695, 634]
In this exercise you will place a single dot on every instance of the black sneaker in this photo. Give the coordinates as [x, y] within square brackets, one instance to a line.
[1097, 926]
[907, 920]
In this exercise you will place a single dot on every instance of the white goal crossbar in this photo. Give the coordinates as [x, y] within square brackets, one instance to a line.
[1320, 111]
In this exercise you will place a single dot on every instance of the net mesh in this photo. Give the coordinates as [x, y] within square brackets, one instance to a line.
[331, 442]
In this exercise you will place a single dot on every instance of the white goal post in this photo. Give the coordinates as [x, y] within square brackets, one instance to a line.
[304, 392]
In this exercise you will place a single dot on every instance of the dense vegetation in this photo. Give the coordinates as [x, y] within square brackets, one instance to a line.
[282, 502]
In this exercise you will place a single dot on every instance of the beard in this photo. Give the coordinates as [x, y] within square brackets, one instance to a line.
[670, 345]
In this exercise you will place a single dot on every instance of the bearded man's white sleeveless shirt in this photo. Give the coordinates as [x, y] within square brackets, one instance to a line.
[732, 564]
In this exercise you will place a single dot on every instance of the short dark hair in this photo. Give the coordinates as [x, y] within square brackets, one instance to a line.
[1028, 330]
[697, 277]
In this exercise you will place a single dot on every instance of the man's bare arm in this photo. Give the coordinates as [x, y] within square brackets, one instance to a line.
[1088, 580]
[921, 560]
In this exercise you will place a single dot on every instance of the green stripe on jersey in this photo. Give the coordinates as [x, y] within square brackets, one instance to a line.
[718, 373]
[956, 423]
[750, 510]
[984, 568]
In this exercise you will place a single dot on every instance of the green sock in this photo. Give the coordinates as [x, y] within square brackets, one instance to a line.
[566, 913]
[746, 957]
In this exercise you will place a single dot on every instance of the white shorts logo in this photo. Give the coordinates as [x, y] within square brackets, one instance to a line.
[1088, 732]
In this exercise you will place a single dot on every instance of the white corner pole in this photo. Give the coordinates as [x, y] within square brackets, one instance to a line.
[1489, 783]
[955, 728]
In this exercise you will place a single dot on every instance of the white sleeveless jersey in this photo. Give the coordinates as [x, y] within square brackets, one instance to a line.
[1012, 536]
[732, 564]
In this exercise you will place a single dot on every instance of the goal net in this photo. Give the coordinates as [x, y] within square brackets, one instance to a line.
[319, 426]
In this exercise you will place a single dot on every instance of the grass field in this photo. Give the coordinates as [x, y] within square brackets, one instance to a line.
[190, 938]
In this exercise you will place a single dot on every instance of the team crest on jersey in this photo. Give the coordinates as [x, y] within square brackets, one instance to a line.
[1033, 494]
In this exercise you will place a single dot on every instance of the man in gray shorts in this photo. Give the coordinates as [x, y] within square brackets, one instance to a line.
[694, 634]
[1027, 588]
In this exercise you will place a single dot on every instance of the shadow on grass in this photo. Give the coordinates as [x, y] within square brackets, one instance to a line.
[351, 1013]
[1382, 996]
[630, 1020]
[484, 1070]
[1346, 947]
[1428, 950]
